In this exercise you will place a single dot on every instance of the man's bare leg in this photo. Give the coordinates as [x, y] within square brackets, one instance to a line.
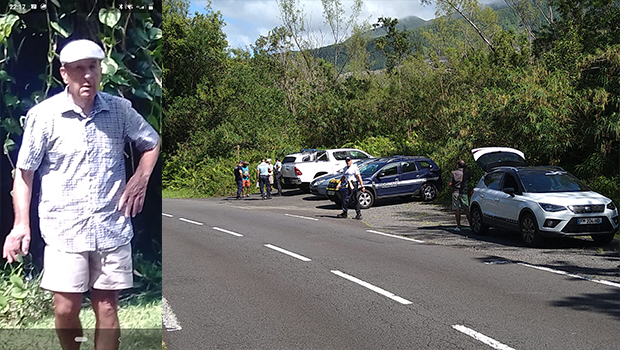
[67, 319]
[107, 332]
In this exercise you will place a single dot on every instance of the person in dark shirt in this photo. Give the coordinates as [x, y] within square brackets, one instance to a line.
[460, 198]
[239, 178]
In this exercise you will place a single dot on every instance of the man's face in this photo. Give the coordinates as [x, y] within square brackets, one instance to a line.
[82, 77]
[349, 162]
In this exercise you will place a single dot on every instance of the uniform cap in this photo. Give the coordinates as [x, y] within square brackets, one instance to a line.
[79, 50]
[347, 159]
[269, 160]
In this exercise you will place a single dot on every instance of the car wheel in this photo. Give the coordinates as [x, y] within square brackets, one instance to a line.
[366, 199]
[477, 225]
[429, 192]
[603, 239]
[529, 230]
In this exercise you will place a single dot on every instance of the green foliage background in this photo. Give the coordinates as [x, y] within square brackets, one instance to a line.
[553, 93]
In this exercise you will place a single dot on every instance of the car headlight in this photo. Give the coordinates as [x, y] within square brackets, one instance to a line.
[611, 206]
[551, 207]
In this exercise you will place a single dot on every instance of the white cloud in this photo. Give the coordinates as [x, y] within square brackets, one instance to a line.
[246, 20]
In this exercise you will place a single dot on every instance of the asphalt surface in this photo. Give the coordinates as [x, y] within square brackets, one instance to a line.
[286, 274]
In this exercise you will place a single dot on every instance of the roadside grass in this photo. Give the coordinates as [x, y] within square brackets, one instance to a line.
[179, 193]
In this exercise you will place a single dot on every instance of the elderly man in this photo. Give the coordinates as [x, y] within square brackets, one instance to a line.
[75, 140]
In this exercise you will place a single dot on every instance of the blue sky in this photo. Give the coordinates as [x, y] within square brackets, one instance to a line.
[246, 20]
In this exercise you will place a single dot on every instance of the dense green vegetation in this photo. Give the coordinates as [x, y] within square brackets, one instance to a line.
[549, 87]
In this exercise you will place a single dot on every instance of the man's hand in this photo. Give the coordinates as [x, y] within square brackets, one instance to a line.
[16, 243]
[132, 199]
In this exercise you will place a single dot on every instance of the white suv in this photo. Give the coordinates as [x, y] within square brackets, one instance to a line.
[316, 163]
[538, 202]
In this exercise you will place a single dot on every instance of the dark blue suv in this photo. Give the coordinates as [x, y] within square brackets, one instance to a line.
[394, 176]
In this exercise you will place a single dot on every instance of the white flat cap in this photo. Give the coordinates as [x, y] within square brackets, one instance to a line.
[269, 160]
[79, 50]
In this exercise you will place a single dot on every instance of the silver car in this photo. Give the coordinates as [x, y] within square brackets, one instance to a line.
[538, 202]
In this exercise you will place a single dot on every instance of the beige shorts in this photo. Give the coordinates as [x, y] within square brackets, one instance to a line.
[78, 272]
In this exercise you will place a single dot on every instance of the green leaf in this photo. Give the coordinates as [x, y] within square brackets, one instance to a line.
[4, 76]
[155, 33]
[3, 301]
[11, 100]
[11, 126]
[109, 66]
[141, 93]
[153, 121]
[109, 17]
[19, 294]
[6, 26]
[9, 146]
[59, 29]
[17, 281]
[119, 79]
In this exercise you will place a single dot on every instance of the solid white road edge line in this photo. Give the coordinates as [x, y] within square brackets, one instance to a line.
[192, 222]
[229, 232]
[302, 217]
[607, 283]
[483, 338]
[395, 236]
[375, 289]
[168, 317]
[284, 251]
[167, 215]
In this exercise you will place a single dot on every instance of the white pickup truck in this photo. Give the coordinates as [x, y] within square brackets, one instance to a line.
[299, 169]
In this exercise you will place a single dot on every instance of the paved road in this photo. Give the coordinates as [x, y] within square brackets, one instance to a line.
[286, 274]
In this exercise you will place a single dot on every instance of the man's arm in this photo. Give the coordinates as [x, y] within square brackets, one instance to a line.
[18, 240]
[359, 177]
[132, 199]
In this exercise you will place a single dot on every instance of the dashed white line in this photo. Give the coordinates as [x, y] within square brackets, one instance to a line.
[168, 317]
[376, 289]
[302, 217]
[167, 215]
[284, 251]
[607, 283]
[481, 337]
[395, 236]
[229, 232]
[191, 222]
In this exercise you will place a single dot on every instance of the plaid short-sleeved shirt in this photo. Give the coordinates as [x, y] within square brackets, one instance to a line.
[80, 160]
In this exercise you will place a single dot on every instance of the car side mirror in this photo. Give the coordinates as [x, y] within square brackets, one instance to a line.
[510, 191]
[380, 175]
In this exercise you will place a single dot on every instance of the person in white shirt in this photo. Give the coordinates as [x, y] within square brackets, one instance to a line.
[353, 181]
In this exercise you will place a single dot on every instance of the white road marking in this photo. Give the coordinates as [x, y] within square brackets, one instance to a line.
[301, 217]
[296, 256]
[481, 337]
[244, 208]
[229, 232]
[192, 222]
[376, 289]
[169, 318]
[607, 283]
[167, 215]
[395, 236]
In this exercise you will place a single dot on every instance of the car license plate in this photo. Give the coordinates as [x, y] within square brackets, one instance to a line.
[589, 221]
[331, 193]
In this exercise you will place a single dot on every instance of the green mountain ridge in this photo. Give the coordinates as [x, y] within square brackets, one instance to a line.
[507, 19]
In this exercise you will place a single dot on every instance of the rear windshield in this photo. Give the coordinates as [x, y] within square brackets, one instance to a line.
[551, 181]
[288, 160]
